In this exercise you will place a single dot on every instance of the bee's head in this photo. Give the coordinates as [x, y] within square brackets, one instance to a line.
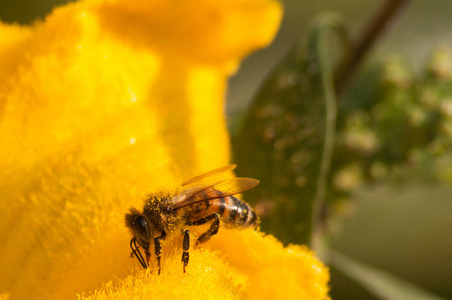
[139, 227]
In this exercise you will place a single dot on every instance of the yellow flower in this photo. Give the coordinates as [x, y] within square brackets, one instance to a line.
[103, 102]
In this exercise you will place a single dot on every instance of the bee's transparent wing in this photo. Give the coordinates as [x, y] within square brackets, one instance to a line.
[224, 188]
[208, 178]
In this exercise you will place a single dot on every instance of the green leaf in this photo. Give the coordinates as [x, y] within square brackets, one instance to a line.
[287, 136]
[377, 282]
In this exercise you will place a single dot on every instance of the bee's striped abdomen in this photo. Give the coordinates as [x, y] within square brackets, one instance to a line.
[238, 213]
[232, 211]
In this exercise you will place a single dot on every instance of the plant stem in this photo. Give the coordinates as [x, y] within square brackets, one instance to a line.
[374, 29]
[345, 70]
[326, 26]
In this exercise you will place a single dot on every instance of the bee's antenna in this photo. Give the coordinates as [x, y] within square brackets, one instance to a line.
[137, 252]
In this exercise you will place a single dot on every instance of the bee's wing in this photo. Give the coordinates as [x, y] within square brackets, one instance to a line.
[221, 189]
[208, 178]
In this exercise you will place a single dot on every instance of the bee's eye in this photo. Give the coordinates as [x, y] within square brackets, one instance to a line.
[141, 228]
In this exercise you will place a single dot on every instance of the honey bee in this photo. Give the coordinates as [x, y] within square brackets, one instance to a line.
[201, 200]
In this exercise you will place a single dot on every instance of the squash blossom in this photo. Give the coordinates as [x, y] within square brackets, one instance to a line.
[103, 102]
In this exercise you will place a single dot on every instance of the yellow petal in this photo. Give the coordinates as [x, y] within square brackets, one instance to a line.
[232, 265]
[101, 103]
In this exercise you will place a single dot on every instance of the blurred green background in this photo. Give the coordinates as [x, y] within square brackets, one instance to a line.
[403, 227]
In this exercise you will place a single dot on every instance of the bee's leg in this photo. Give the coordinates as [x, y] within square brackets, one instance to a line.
[148, 256]
[213, 227]
[158, 248]
[186, 246]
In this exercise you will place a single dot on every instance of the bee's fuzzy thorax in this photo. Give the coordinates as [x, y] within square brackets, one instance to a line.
[155, 209]
[156, 203]
[159, 196]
